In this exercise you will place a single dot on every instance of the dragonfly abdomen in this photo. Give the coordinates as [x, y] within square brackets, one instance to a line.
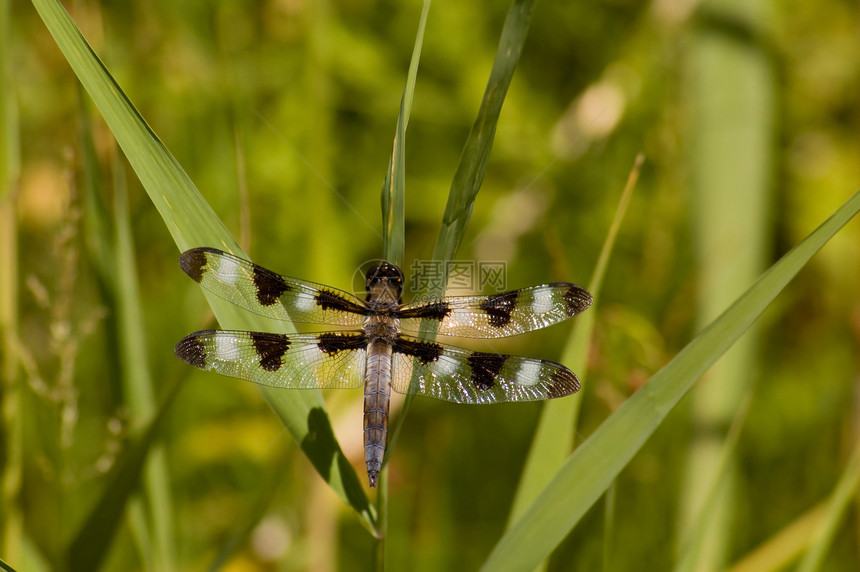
[377, 395]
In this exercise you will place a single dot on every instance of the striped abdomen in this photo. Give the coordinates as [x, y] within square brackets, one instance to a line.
[377, 394]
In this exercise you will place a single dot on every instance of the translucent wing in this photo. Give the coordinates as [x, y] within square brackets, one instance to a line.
[499, 315]
[299, 361]
[259, 290]
[462, 376]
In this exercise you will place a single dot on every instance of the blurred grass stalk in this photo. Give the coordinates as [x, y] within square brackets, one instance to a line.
[11, 421]
[138, 385]
[731, 89]
[150, 517]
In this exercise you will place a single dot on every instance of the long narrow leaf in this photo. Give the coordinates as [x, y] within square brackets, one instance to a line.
[394, 187]
[594, 465]
[137, 378]
[473, 161]
[192, 222]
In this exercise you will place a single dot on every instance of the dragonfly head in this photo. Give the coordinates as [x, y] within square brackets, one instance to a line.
[384, 280]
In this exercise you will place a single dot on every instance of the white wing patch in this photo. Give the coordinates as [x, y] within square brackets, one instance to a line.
[542, 304]
[305, 302]
[227, 271]
[462, 316]
[226, 348]
[529, 373]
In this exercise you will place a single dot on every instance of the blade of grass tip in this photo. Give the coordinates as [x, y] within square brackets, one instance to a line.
[139, 393]
[779, 550]
[837, 505]
[689, 559]
[11, 420]
[473, 161]
[191, 222]
[553, 440]
[593, 466]
[89, 545]
[394, 186]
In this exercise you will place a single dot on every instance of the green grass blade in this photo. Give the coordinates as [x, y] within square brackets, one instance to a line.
[5, 567]
[843, 495]
[394, 186]
[594, 465]
[473, 161]
[192, 222]
[553, 440]
[139, 392]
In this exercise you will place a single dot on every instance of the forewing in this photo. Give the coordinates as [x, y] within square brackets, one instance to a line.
[260, 290]
[462, 376]
[499, 315]
[300, 361]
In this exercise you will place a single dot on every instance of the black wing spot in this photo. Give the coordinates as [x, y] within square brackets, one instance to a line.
[433, 311]
[499, 308]
[331, 342]
[576, 300]
[192, 263]
[331, 301]
[562, 382]
[486, 368]
[271, 349]
[269, 285]
[426, 352]
[191, 350]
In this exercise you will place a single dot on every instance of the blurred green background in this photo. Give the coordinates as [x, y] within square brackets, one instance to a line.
[282, 112]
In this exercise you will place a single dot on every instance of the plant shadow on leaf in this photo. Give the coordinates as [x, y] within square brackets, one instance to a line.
[322, 449]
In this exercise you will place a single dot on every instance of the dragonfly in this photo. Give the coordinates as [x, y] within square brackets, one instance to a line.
[371, 349]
